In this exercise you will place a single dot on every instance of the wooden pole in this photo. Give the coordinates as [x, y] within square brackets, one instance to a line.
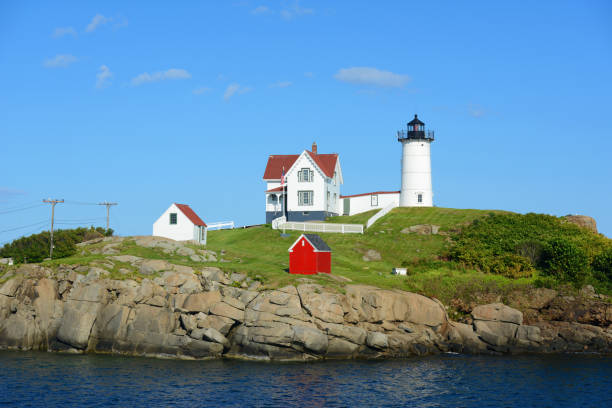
[53, 203]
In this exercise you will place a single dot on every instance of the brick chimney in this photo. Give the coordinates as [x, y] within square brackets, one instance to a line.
[314, 147]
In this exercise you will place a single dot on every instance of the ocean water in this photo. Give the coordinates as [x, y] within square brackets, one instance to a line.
[36, 379]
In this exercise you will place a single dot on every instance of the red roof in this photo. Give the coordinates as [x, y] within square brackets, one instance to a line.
[365, 194]
[326, 162]
[189, 213]
[275, 165]
[276, 162]
[279, 188]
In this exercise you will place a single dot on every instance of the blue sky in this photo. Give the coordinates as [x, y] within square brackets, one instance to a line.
[184, 101]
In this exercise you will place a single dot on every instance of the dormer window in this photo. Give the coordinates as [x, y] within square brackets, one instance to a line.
[305, 175]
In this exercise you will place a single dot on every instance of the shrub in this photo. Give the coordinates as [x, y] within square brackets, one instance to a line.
[602, 265]
[35, 248]
[565, 260]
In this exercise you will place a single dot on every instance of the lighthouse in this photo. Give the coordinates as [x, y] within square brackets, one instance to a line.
[416, 165]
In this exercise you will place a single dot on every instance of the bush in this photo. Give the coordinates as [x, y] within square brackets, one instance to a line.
[602, 265]
[35, 248]
[565, 260]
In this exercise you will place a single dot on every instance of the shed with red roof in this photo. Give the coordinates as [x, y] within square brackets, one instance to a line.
[308, 255]
[181, 223]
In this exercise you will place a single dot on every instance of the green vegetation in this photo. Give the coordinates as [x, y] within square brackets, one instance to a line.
[35, 248]
[476, 253]
[517, 245]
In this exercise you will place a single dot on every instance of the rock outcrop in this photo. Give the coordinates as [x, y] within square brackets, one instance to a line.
[583, 221]
[178, 312]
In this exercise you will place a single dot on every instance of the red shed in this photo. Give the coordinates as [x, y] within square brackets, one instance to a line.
[309, 255]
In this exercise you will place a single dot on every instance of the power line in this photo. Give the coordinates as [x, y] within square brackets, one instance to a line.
[108, 206]
[80, 203]
[11, 206]
[80, 219]
[20, 209]
[25, 226]
[53, 204]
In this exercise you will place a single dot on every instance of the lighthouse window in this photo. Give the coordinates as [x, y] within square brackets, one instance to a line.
[374, 201]
[420, 198]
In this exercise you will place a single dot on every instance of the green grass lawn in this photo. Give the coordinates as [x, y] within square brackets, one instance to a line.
[262, 251]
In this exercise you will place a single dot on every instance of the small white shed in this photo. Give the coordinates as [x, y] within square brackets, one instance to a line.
[180, 223]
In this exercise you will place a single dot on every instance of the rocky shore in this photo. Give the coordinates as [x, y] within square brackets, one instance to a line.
[182, 313]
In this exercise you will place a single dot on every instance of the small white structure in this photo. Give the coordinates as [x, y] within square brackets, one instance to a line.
[399, 271]
[180, 223]
[359, 203]
[6, 261]
[416, 165]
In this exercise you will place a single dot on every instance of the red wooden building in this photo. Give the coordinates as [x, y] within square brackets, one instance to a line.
[309, 255]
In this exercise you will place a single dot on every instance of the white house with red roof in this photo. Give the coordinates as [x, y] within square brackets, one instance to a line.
[180, 223]
[312, 186]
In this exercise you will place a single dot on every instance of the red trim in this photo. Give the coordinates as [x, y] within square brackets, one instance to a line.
[272, 190]
[365, 194]
[189, 213]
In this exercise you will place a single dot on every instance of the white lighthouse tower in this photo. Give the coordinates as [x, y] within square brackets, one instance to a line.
[416, 165]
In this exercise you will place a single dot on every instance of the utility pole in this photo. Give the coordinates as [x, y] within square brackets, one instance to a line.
[108, 206]
[53, 203]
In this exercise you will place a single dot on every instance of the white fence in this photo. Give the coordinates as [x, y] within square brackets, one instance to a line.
[278, 221]
[380, 214]
[221, 225]
[321, 227]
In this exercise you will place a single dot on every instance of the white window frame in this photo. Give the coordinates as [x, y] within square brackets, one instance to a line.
[309, 195]
[305, 171]
[374, 200]
[420, 198]
[175, 219]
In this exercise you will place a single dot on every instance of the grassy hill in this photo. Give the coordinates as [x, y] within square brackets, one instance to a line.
[433, 270]
[263, 251]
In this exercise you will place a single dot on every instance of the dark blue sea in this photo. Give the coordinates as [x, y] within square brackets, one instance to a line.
[48, 380]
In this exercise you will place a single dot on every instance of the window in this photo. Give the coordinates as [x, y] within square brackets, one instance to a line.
[328, 195]
[420, 198]
[305, 197]
[202, 234]
[172, 218]
[374, 201]
[335, 197]
[305, 175]
[272, 199]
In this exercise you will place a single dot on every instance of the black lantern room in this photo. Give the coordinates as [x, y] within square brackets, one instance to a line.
[415, 130]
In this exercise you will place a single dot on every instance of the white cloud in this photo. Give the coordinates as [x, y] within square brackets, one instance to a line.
[371, 76]
[476, 111]
[308, 74]
[60, 61]
[261, 10]
[103, 77]
[295, 10]
[172, 73]
[235, 89]
[97, 21]
[62, 31]
[200, 90]
[281, 84]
